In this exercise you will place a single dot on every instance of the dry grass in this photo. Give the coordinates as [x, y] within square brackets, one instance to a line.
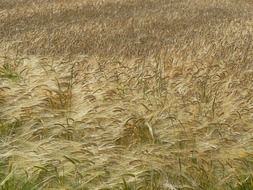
[152, 95]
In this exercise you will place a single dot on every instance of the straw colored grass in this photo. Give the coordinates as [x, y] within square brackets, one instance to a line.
[152, 95]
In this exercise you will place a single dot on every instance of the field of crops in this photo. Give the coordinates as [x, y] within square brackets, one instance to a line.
[126, 95]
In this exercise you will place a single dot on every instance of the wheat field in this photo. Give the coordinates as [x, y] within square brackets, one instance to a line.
[126, 94]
